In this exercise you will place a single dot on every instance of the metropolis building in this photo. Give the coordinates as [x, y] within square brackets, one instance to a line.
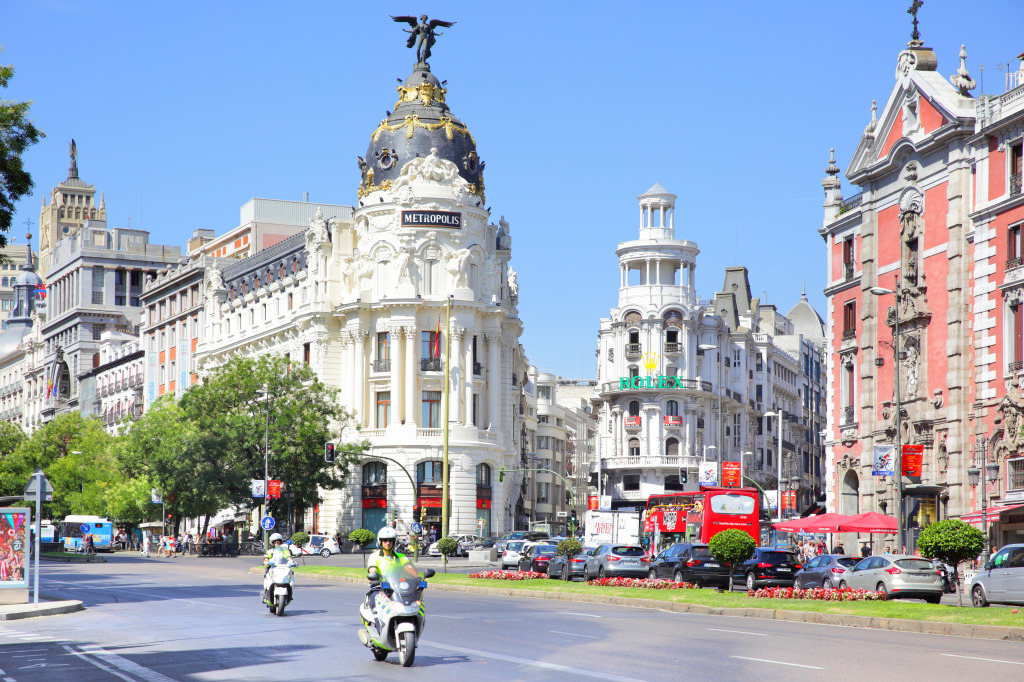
[362, 299]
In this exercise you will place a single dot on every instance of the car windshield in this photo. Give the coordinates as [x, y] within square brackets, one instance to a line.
[282, 561]
[779, 558]
[625, 550]
[915, 564]
[847, 562]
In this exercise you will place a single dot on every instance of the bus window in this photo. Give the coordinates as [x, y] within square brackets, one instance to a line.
[732, 504]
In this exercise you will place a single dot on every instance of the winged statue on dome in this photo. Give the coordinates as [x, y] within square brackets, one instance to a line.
[422, 34]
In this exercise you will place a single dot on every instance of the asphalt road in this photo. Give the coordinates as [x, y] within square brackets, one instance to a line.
[200, 619]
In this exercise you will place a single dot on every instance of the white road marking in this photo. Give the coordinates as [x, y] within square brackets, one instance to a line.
[738, 632]
[124, 664]
[765, 660]
[573, 613]
[99, 665]
[990, 660]
[160, 598]
[576, 672]
[574, 634]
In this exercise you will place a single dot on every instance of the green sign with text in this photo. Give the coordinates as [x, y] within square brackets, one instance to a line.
[660, 381]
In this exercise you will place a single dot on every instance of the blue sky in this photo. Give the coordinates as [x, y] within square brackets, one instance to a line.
[184, 111]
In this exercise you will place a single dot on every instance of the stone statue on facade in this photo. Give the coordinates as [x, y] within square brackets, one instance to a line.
[317, 232]
[513, 285]
[402, 265]
[456, 266]
[504, 239]
[489, 281]
[423, 34]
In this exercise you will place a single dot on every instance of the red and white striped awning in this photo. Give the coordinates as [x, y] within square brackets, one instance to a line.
[993, 513]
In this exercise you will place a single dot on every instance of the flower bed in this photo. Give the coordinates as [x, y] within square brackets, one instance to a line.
[645, 583]
[509, 575]
[817, 593]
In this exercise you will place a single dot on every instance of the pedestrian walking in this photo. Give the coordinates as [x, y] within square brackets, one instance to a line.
[865, 551]
[145, 544]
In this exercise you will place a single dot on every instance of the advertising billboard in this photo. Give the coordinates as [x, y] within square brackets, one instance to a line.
[14, 548]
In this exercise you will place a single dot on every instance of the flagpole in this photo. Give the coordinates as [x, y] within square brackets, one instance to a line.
[445, 511]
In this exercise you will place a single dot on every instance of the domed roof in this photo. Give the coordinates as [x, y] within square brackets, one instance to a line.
[28, 278]
[421, 121]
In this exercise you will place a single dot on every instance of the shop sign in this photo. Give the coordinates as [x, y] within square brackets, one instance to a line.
[483, 504]
[375, 503]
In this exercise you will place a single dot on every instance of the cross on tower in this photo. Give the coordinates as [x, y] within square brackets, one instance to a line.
[914, 6]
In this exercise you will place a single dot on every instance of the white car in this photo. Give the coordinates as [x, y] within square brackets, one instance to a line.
[324, 545]
[510, 556]
[465, 544]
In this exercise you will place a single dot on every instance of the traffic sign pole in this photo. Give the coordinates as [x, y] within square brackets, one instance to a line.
[39, 495]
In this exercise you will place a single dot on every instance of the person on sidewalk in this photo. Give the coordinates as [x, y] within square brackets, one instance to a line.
[145, 544]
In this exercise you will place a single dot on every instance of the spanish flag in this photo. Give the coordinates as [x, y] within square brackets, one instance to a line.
[49, 388]
[437, 338]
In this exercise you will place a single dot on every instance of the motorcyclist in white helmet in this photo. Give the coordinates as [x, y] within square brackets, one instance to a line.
[277, 549]
[383, 559]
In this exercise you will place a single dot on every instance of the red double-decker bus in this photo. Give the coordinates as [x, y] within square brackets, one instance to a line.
[698, 515]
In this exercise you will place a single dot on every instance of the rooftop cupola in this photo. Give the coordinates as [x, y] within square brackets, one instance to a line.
[657, 213]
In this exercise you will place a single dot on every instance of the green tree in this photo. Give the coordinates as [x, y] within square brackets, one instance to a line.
[234, 418]
[731, 547]
[569, 548]
[951, 542]
[130, 501]
[17, 133]
[362, 537]
[299, 538]
[447, 547]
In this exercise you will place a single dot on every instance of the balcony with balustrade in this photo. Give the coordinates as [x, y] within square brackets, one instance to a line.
[632, 423]
[633, 350]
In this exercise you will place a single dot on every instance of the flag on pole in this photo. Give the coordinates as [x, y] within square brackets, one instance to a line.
[437, 338]
[49, 388]
[41, 290]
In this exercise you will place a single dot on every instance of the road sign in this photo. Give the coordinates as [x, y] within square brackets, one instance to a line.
[37, 481]
[267, 522]
[85, 528]
[417, 528]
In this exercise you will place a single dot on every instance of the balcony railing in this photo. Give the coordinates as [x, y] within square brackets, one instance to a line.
[1015, 184]
[672, 348]
[673, 420]
[1015, 366]
[849, 333]
[848, 270]
[637, 461]
[849, 413]
[430, 364]
[382, 365]
[851, 203]
[632, 422]
[1014, 263]
[633, 350]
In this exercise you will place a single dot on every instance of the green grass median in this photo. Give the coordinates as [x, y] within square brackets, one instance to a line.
[907, 610]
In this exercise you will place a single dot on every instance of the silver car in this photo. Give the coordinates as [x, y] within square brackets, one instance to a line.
[1001, 580]
[897, 575]
[608, 561]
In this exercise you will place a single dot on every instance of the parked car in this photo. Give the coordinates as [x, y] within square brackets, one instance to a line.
[617, 560]
[465, 543]
[510, 557]
[559, 567]
[898, 575]
[1001, 580]
[528, 535]
[689, 562]
[825, 571]
[768, 567]
[536, 557]
[324, 545]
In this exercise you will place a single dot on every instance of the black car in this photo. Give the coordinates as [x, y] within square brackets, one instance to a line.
[536, 558]
[825, 571]
[558, 567]
[692, 563]
[768, 567]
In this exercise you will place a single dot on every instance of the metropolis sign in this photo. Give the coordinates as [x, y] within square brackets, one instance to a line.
[451, 219]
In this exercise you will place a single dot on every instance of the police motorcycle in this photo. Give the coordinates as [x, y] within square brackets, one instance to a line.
[398, 614]
[277, 584]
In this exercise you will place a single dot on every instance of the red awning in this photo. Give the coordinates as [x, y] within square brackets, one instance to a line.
[993, 512]
[869, 522]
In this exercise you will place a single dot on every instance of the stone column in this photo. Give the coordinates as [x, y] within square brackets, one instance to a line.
[410, 376]
[358, 375]
[468, 364]
[494, 378]
[396, 375]
[456, 373]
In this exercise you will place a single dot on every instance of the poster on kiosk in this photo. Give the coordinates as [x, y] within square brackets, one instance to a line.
[14, 553]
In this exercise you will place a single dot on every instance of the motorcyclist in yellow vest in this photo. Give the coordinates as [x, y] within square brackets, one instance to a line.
[385, 560]
[277, 550]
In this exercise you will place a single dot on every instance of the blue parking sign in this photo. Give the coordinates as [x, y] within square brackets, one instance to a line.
[267, 522]
[85, 528]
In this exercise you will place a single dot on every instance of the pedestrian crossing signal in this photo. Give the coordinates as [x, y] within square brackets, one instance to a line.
[329, 452]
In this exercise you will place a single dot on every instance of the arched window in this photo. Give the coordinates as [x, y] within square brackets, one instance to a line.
[375, 473]
[4, 281]
[429, 472]
[634, 447]
[634, 408]
[671, 447]
[672, 408]
[483, 475]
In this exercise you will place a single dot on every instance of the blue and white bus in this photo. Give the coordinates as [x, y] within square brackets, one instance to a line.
[71, 532]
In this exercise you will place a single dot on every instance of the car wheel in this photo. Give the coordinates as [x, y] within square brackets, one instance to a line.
[978, 597]
[751, 582]
[600, 573]
[678, 577]
[826, 584]
[325, 552]
[880, 588]
[843, 585]
[934, 599]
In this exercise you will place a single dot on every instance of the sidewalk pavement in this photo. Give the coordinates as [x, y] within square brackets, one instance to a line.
[43, 608]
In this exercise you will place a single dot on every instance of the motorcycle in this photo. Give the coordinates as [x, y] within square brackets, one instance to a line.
[949, 578]
[277, 585]
[394, 614]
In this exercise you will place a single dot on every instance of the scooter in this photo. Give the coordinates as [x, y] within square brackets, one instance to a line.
[277, 585]
[397, 617]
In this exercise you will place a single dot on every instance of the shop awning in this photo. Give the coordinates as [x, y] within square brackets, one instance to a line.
[870, 522]
[993, 512]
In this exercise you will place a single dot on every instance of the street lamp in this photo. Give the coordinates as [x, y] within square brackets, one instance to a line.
[266, 460]
[721, 424]
[991, 475]
[778, 485]
[898, 456]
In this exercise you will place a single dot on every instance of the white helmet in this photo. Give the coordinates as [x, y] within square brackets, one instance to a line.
[276, 537]
[386, 533]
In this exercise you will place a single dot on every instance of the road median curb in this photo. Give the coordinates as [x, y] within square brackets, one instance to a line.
[54, 608]
[1001, 632]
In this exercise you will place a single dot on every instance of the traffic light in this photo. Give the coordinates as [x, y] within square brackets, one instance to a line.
[501, 474]
[574, 516]
[682, 476]
[329, 452]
